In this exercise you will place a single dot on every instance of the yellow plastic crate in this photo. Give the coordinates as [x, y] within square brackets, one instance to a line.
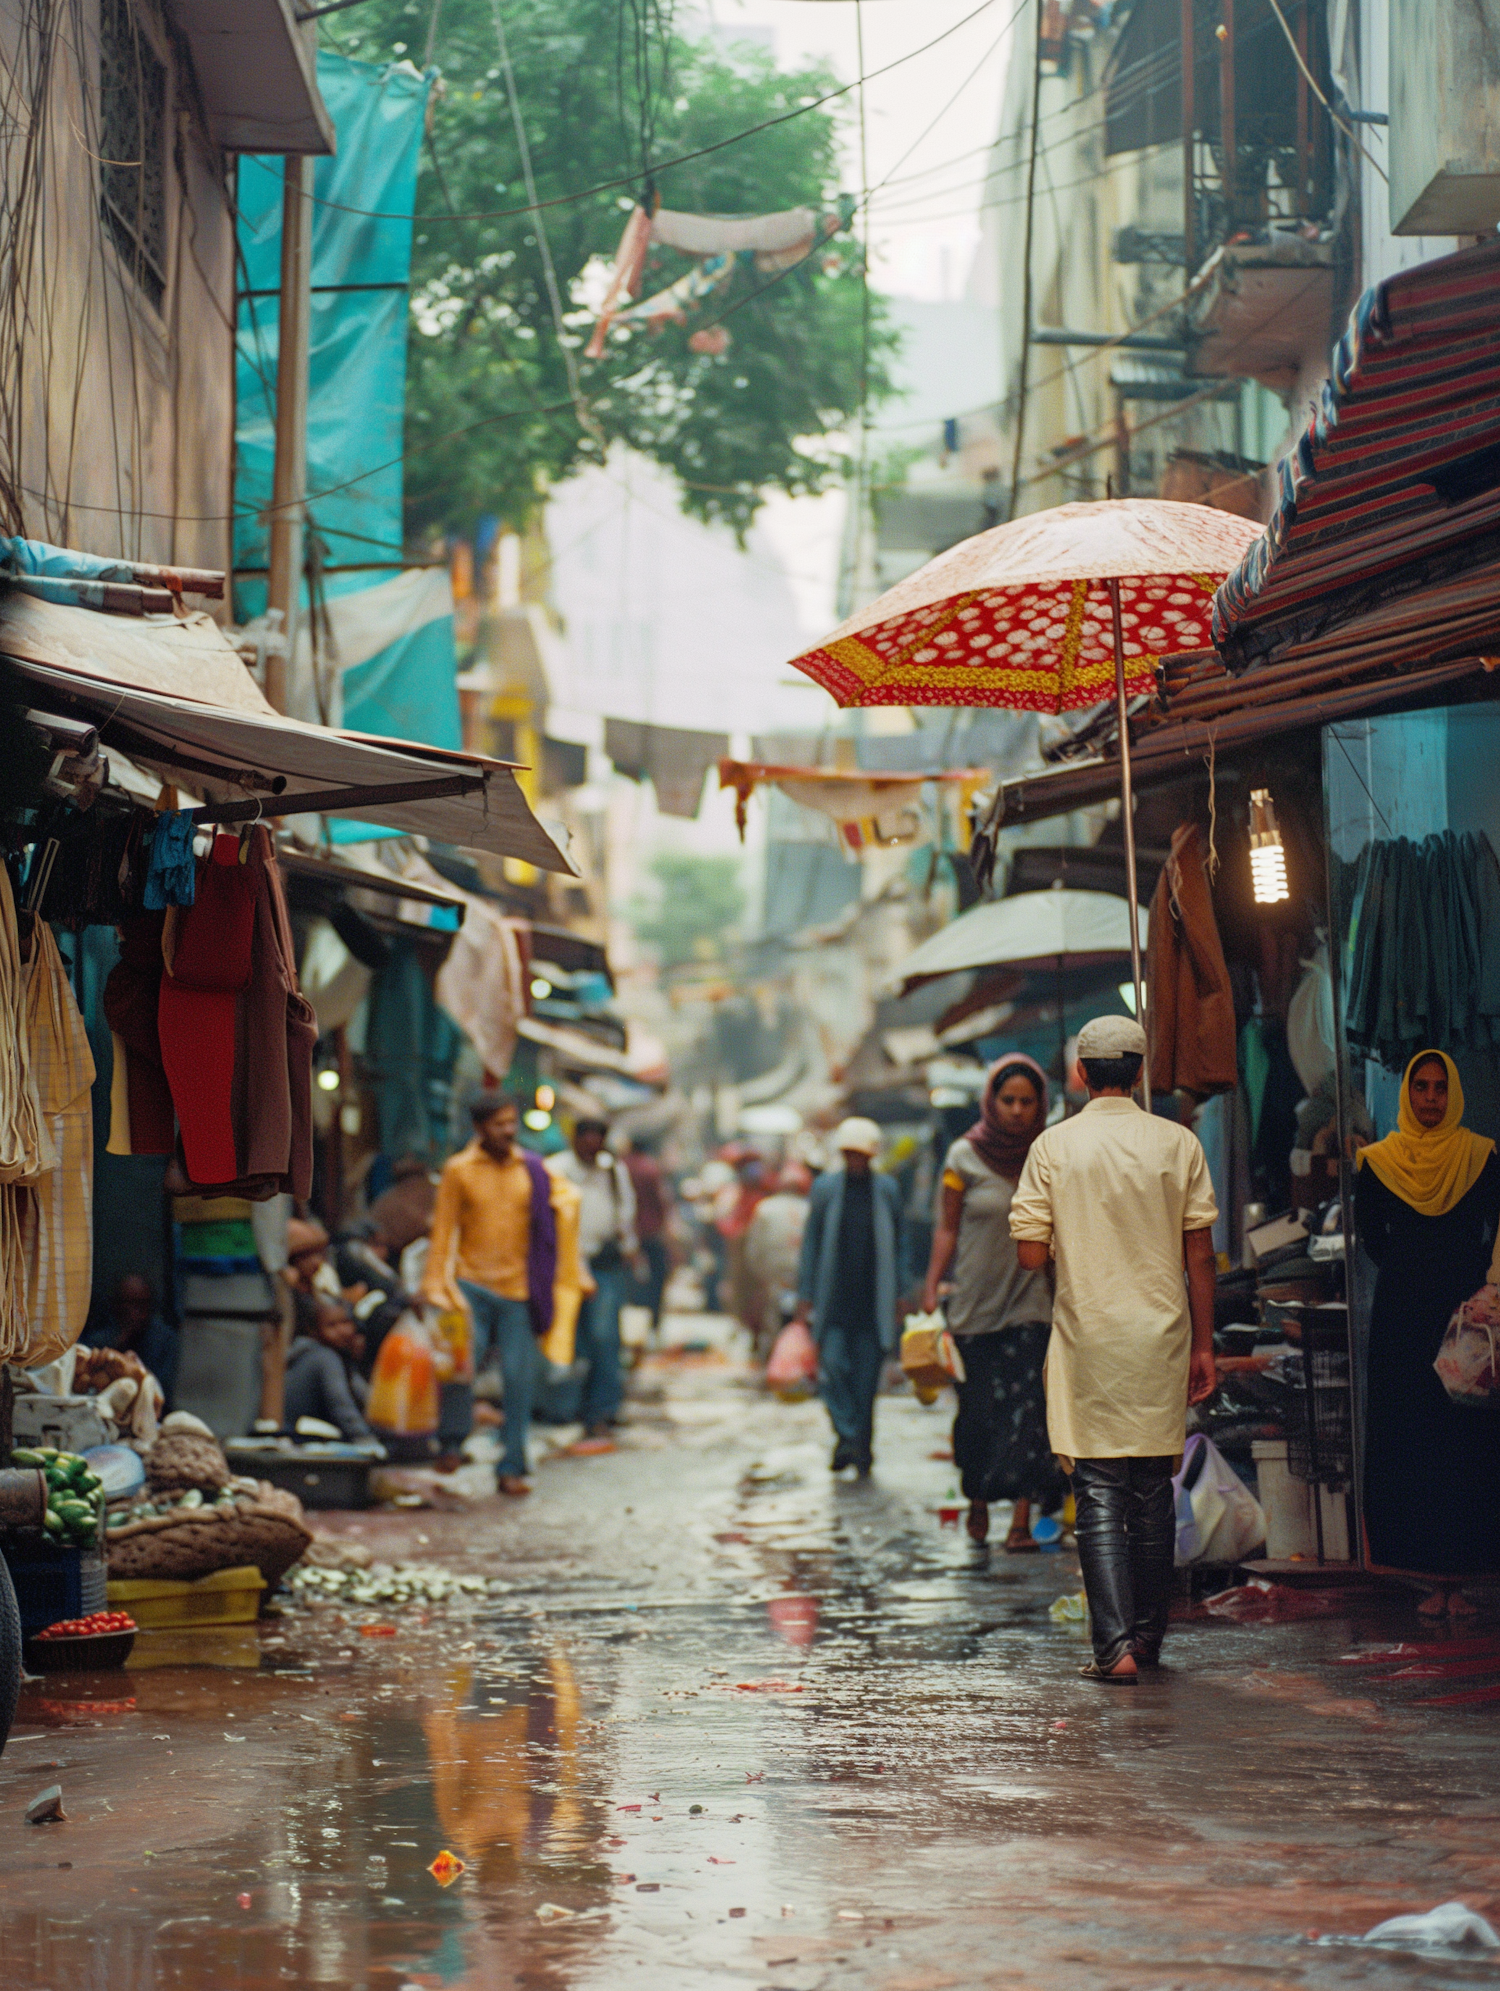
[228, 1597]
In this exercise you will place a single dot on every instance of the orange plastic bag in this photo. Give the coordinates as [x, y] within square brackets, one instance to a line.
[404, 1387]
[793, 1367]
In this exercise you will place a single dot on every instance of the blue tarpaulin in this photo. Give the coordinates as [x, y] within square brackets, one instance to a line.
[361, 271]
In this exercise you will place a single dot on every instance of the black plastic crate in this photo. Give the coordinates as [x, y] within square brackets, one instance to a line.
[1320, 1409]
[317, 1480]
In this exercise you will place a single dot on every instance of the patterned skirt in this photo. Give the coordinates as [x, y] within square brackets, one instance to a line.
[1000, 1433]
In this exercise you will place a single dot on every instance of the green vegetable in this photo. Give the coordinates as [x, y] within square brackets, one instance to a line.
[53, 1523]
[24, 1456]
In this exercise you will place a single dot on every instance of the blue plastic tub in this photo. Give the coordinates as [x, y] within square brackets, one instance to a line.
[55, 1583]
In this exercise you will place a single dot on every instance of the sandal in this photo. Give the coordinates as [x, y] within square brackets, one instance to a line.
[1114, 1677]
[1019, 1542]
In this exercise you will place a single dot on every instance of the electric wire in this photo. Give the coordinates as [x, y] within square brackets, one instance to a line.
[657, 166]
[1020, 396]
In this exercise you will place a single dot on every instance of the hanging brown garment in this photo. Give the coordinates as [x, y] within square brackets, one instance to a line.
[275, 1031]
[142, 1121]
[1190, 1004]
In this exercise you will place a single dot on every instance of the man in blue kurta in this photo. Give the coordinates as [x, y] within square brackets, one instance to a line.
[846, 1286]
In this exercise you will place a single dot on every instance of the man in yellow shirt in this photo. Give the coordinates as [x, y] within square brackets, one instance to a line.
[494, 1234]
[1123, 1203]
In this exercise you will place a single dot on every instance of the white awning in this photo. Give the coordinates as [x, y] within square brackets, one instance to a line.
[174, 695]
[577, 1050]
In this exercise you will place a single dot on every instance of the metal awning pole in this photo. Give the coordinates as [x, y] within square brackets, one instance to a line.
[1127, 806]
[289, 475]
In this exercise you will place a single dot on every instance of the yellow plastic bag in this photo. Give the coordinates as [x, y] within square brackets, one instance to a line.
[929, 1355]
[450, 1329]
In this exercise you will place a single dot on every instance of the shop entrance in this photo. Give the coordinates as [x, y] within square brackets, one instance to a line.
[1413, 828]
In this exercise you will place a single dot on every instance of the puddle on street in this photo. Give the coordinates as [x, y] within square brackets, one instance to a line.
[733, 1724]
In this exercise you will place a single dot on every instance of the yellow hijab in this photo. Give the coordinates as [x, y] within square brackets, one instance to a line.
[1432, 1168]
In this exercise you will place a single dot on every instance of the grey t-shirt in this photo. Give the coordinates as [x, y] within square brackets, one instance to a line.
[990, 1289]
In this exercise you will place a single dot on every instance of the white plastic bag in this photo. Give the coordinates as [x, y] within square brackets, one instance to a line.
[1218, 1517]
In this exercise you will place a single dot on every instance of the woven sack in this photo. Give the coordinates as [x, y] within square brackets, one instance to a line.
[182, 1459]
[269, 1532]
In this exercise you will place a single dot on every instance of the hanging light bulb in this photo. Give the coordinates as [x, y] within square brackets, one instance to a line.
[1267, 854]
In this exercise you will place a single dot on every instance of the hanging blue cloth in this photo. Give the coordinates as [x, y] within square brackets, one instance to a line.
[170, 877]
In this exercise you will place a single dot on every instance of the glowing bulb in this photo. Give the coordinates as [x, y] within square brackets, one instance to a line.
[541, 988]
[1268, 879]
[328, 1079]
[537, 1120]
[546, 1098]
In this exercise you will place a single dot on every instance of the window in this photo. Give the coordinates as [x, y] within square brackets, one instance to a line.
[132, 147]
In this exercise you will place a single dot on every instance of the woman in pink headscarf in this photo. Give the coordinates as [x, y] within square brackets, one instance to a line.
[1000, 1313]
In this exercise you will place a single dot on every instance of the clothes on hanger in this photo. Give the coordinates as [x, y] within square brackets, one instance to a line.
[1190, 1012]
[1424, 946]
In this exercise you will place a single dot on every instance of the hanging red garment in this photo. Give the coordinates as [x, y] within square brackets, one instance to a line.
[141, 1119]
[210, 965]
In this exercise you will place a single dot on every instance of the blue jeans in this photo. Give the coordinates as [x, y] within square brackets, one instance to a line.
[505, 1325]
[850, 1360]
[599, 1343]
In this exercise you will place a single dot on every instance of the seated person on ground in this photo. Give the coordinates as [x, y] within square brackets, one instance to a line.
[321, 1378]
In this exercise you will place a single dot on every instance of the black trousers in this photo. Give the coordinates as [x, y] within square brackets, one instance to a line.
[1126, 1538]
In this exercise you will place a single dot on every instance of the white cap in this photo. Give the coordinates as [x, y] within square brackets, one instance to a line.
[857, 1136]
[1112, 1037]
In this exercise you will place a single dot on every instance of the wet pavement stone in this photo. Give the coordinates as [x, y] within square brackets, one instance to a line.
[737, 1723]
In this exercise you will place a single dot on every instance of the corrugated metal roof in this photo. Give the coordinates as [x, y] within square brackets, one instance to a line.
[1386, 532]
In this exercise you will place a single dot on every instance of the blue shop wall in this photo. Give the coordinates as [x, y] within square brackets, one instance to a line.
[1416, 774]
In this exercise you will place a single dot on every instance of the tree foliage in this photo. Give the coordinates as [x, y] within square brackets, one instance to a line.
[608, 90]
[701, 902]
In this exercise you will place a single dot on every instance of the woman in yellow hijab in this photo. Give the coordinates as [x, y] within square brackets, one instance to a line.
[1426, 1205]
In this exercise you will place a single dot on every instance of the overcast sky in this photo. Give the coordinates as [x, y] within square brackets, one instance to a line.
[927, 121]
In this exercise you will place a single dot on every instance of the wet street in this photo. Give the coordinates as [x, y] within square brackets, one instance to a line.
[734, 1723]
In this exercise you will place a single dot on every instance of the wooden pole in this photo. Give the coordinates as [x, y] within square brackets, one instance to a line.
[289, 477]
[1127, 807]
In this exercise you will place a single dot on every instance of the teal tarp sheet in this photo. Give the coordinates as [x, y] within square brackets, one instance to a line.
[361, 269]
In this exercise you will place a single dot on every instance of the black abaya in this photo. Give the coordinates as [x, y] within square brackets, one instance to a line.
[1431, 1466]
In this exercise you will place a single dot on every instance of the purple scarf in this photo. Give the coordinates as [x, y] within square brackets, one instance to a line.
[998, 1149]
[541, 1245]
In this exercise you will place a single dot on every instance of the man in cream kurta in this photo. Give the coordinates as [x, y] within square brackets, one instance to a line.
[1123, 1203]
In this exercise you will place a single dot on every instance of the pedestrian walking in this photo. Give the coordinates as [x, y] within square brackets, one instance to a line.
[773, 1253]
[1123, 1202]
[846, 1287]
[1000, 1311]
[607, 1246]
[653, 1210]
[494, 1236]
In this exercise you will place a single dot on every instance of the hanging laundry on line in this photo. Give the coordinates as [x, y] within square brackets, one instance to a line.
[773, 242]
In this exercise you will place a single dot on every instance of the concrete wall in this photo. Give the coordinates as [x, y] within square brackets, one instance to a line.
[116, 413]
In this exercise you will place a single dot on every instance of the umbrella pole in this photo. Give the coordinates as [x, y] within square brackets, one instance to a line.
[1062, 1036]
[1127, 806]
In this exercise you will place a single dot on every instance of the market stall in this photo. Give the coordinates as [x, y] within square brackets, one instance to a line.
[159, 1050]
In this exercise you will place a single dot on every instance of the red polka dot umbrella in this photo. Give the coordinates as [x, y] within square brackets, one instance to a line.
[1051, 613]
